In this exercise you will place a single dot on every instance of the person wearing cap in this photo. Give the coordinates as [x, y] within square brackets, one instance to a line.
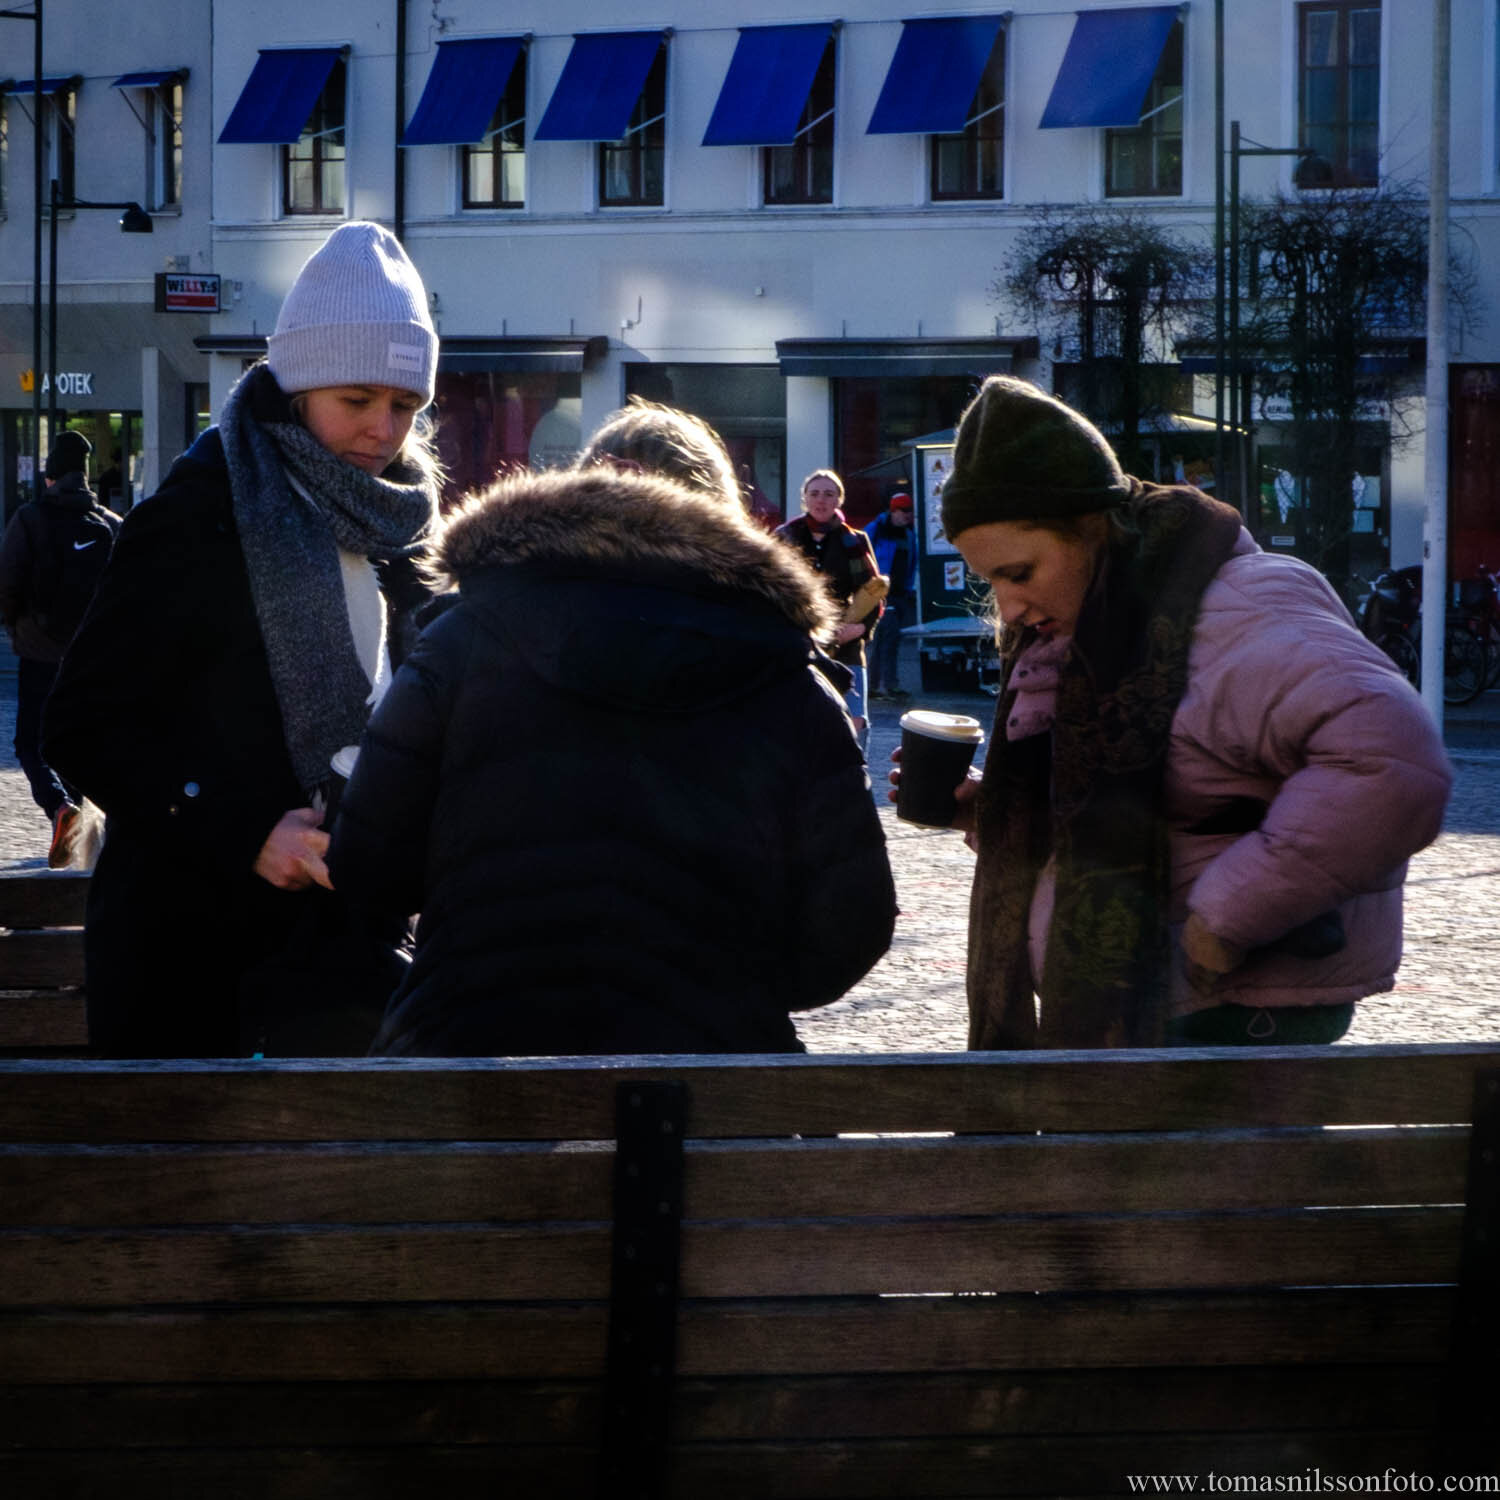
[894, 541]
[1203, 785]
[246, 625]
[53, 553]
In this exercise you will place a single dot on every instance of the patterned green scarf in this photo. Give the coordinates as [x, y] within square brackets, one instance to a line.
[1090, 795]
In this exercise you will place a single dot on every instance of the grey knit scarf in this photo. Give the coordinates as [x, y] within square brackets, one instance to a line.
[291, 549]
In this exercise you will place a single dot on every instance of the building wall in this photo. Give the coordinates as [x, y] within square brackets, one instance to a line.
[711, 276]
[106, 279]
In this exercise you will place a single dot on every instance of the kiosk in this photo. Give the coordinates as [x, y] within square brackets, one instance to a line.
[955, 638]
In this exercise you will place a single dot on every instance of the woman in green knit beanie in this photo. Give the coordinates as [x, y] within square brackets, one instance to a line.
[1203, 783]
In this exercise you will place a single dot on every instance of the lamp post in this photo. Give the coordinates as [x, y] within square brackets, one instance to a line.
[34, 15]
[134, 220]
[1230, 357]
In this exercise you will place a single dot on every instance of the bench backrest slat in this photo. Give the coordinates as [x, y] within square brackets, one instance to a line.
[42, 898]
[433, 1181]
[523, 1099]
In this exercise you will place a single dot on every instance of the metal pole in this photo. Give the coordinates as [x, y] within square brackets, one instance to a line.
[399, 183]
[1220, 467]
[1234, 312]
[1435, 456]
[52, 320]
[36, 260]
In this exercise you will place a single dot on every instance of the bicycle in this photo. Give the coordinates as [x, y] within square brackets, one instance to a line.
[1392, 619]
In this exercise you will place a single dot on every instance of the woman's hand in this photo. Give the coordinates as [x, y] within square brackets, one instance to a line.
[964, 794]
[1206, 957]
[291, 858]
[849, 632]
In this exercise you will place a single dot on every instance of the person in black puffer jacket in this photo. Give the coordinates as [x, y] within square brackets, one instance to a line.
[628, 807]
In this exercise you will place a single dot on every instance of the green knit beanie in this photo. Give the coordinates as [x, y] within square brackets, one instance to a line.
[1022, 455]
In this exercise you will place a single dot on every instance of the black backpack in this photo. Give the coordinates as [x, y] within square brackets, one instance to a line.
[69, 549]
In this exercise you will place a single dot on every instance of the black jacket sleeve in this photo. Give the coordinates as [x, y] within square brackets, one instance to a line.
[845, 902]
[379, 848]
[163, 712]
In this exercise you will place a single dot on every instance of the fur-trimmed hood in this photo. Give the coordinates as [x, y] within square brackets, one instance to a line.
[623, 523]
[628, 590]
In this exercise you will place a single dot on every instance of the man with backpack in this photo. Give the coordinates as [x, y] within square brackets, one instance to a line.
[51, 559]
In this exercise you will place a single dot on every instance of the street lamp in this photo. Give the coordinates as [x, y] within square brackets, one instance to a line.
[134, 220]
[1312, 171]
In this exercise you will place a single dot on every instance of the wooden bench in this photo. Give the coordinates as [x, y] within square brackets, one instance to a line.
[41, 962]
[984, 1274]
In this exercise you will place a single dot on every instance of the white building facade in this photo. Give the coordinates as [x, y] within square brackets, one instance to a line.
[790, 222]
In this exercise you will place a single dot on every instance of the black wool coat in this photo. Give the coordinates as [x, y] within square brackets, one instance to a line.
[164, 714]
[631, 812]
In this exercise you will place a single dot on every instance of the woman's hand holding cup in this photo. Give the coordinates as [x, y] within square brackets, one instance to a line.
[936, 747]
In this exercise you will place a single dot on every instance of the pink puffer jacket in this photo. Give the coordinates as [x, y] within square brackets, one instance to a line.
[1288, 705]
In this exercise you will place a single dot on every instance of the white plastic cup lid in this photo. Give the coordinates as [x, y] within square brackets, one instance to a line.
[940, 726]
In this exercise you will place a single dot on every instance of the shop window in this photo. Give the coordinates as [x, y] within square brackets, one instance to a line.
[632, 169]
[1146, 161]
[873, 417]
[493, 422]
[970, 163]
[745, 405]
[494, 172]
[803, 171]
[1339, 88]
[313, 168]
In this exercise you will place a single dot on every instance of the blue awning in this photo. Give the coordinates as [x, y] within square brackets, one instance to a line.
[601, 80]
[49, 85]
[465, 84]
[1108, 67]
[279, 96]
[149, 80]
[932, 78]
[766, 87]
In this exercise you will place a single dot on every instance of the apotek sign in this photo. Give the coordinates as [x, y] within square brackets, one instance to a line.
[71, 383]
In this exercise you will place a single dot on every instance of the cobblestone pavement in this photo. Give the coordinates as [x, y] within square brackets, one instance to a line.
[913, 1000]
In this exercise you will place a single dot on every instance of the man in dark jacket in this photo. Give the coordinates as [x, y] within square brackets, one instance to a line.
[51, 559]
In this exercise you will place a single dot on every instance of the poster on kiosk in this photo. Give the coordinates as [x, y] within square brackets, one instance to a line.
[955, 639]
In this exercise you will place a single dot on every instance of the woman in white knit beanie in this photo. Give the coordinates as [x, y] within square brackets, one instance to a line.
[239, 638]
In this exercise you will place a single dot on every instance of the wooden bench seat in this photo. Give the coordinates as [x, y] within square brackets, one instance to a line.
[984, 1274]
[41, 962]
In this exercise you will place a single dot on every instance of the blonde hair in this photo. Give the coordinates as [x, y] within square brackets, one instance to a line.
[664, 440]
[827, 474]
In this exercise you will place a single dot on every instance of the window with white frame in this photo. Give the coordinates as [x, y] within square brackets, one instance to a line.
[494, 171]
[1145, 161]
[1339, 66]
[632, 169]
[57, 115]
[164, 145]
[313, 168]
[803, 171]
[970, 163]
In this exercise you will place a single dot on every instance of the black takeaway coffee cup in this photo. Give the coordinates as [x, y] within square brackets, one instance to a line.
[341, 768]
[936, 752]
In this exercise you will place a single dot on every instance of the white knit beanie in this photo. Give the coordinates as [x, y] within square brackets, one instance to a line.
[355, 315]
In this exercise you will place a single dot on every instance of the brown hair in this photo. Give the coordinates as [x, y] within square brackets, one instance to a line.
[664, 440]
